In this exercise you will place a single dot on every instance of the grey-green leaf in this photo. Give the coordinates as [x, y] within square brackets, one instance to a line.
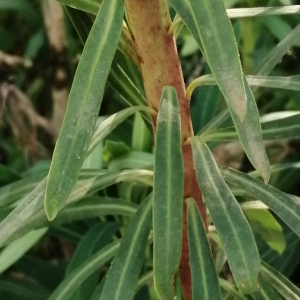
[168, 194]
[280, 283]
[123, 275]
[205, 285]
[286, 207]
[219, 46]
[250, 136]
[84, 103]
[232, 226]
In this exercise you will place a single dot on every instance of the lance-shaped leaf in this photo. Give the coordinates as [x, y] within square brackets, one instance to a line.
[84, 103]
[280, 283]
[122, 277]
[168, 194]
[286, 207]
[205, 283]
[219, 46]
[30, 214]
[250, 136]
[232, 226]
[285, 128]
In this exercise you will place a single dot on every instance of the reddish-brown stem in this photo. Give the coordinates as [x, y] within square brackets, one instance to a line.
[159, 63]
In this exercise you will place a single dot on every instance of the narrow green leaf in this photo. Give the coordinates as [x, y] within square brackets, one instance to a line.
[88, 6]
[266, 65]
[263, 11]
[284, 128]
[265, 291]
[122, 277]
[205, 283]
[232, 226]
[11, 253]
[280, 283]
[285, 206]
[231, 289]
[112, 122]
[95, 239]
[69, 285]
[84, 103]
[220, 48]
[22, 218]
[278, 82]
[168, 194]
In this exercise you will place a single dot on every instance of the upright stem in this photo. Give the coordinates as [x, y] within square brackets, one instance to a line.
[159, 63]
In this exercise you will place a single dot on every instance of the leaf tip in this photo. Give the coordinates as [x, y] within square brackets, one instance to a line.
[51, 209]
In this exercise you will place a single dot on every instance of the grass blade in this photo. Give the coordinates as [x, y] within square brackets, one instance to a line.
[168, 194]
[230, 222]
[266, 292]
[286, 207]
[280, 283]
[84, 103]
[205, 283]
[122, 277]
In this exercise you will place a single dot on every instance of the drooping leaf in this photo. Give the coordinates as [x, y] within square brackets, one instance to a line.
[205, 283]
[264, 67]
[30, 214]
[83, 106]
[167, 194]
[286, 207]
[232, 226]
[280, 283]
[123, 275]
[219, 46]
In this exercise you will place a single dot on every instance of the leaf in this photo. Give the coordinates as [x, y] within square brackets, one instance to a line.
[113, 150]
[265, 66]
[89, 6]
[284, 128]
[95, 239]
[83, 106]
[30, 214]
[250, 136]
[111, 123]
[167, 194]
[11, 253]
[286, 207]
[280, 283]
[263, 222]
[205, 283]
[263, 11]
[69, 285]
[231, 224]
[265, 291]
[219, 46]
[123, 275]
[231, 289]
